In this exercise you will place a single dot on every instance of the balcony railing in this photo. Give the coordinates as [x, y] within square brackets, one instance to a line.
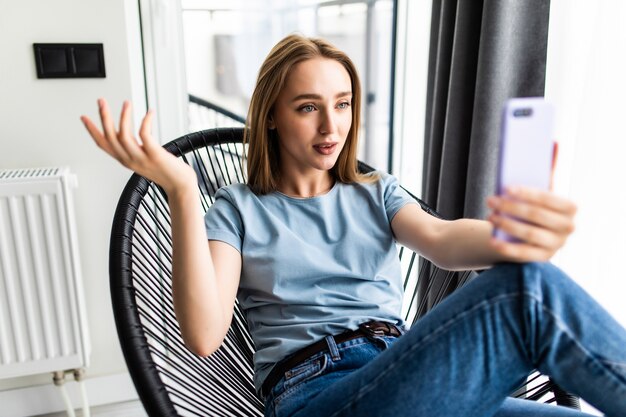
[205, 115]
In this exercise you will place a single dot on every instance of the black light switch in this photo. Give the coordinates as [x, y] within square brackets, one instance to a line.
[81, 60]
[87, 60]
[54, 60]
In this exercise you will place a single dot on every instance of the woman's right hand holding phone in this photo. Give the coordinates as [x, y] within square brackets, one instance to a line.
[147, 158]
[540, 220]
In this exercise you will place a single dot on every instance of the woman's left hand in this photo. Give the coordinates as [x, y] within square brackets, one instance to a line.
[540, 219]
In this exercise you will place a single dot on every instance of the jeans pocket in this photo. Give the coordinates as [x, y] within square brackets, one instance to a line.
[298, 375]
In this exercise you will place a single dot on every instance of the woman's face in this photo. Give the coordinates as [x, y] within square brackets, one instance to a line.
[313, 115]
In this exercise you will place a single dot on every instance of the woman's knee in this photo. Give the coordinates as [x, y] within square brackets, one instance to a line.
[545, 282]
[531, 277]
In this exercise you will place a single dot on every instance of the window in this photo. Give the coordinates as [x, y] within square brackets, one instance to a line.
[226, 42]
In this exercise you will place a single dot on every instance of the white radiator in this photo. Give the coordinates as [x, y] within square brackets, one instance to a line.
[42, 315]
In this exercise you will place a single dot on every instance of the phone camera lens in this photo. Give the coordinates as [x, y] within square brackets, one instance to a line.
[523, 112]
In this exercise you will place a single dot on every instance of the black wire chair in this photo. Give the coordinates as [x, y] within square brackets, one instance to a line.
[171, 380]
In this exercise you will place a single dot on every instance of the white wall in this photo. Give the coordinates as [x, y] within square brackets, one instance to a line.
[40, 126]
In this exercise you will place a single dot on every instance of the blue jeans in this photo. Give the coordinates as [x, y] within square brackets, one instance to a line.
[469, 353]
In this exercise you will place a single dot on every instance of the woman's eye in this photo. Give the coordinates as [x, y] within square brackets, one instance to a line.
[307, 109]
[343, 105]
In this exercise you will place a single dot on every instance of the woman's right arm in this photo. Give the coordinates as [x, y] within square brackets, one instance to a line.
[205, 276]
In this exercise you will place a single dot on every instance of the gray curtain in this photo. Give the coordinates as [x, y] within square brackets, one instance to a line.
[481, 53]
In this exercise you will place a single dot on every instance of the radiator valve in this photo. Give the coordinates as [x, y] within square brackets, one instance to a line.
[58, 377]
[79, 374]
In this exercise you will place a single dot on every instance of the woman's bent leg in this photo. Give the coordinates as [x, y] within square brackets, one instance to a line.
[465, 356]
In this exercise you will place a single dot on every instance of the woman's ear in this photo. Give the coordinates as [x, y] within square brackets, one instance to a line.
[270, 122]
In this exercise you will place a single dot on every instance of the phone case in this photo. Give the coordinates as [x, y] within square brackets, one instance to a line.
[526, 146]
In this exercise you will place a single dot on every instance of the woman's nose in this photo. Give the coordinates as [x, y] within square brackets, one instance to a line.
[327, 124]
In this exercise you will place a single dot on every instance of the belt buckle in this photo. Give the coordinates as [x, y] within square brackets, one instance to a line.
[369, 330]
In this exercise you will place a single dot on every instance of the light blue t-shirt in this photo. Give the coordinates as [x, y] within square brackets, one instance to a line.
[311, 267]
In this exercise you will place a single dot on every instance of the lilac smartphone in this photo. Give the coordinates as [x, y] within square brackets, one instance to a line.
[526, 146]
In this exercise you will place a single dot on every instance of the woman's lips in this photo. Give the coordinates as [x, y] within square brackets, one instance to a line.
[325, 148]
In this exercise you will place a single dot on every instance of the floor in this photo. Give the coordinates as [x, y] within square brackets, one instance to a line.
[125, 409]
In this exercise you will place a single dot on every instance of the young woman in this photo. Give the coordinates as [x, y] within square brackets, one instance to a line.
[308, 247]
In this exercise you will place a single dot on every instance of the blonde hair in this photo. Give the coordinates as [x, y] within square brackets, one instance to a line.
[263, 159]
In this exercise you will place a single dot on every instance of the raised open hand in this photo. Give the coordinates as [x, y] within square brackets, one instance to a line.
[145, 157]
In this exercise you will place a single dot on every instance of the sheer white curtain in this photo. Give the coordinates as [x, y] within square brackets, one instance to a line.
[585, 79]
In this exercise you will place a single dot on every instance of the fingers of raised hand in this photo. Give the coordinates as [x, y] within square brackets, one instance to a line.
[147, 158]
[125, 128]
[122, 142]
[97, 135]
[108, 126]
[132, 151]
[145, 132]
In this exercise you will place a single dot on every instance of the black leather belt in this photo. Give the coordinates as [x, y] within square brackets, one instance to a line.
[368, 329]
